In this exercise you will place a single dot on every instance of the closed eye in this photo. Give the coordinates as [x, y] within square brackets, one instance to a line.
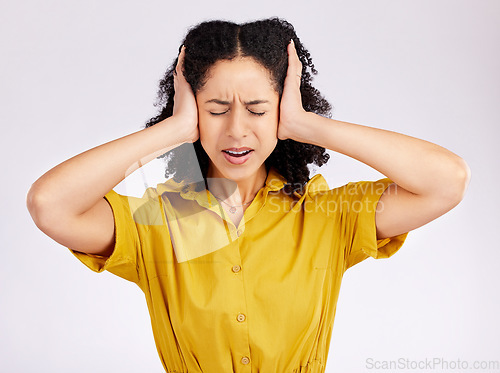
[251, 112]
[254, 113]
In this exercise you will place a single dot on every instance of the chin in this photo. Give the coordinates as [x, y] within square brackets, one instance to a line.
[238, 174]
[235, 172]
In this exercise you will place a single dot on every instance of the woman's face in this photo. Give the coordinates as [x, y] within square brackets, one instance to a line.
[238, 109]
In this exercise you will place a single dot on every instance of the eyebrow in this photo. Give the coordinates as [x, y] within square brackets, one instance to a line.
[253, 102]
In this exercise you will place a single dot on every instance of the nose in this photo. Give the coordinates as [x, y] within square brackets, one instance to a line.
[237, 126]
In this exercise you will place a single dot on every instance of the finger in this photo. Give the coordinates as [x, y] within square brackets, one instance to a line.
[294, 64]
[180, 61]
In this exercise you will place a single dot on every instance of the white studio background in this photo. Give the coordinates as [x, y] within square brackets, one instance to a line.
[77, 74]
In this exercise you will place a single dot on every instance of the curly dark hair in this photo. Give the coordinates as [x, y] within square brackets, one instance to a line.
[266, 41]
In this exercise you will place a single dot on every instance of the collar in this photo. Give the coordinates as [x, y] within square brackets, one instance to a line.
[274, 182]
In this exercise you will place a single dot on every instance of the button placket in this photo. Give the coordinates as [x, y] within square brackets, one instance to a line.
[238, 316]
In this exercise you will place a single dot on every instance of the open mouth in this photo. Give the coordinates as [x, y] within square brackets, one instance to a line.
[237, 154]
[237, 158]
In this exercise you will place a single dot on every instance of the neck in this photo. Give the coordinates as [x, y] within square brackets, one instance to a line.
[235, 192]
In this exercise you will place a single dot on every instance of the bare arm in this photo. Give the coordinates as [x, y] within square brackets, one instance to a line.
[429, 180]
[67, 202]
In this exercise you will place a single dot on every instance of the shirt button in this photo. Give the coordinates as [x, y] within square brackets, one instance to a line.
[245, 360]
[239, 232]
[241, 317]
[236, 268]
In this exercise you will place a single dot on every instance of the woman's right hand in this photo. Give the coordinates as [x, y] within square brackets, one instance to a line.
[185, 107]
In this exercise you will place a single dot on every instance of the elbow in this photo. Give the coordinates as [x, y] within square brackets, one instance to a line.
[37, 205]
[33, 203]
[459, 183]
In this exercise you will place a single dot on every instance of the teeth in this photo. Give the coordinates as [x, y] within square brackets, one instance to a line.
[239, 153]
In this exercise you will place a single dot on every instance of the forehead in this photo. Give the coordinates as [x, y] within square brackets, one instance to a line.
[241, 76]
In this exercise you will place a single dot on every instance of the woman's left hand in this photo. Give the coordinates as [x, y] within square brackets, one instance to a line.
[292, 113]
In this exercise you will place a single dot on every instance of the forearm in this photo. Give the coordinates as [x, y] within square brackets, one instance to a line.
[416, 165]
[74, 186]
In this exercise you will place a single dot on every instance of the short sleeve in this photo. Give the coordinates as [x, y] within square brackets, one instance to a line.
[123, 261]
[355, 205]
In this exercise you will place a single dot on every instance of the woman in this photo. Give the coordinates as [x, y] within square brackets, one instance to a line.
[250, 283]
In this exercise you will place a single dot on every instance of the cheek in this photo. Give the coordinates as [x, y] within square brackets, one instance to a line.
[269, 134]
[271, 126]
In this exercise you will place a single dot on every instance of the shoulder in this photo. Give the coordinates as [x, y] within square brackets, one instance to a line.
[354, 194]
[318, 186]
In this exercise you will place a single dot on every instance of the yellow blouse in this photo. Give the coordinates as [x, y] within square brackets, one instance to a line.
[259, 297]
